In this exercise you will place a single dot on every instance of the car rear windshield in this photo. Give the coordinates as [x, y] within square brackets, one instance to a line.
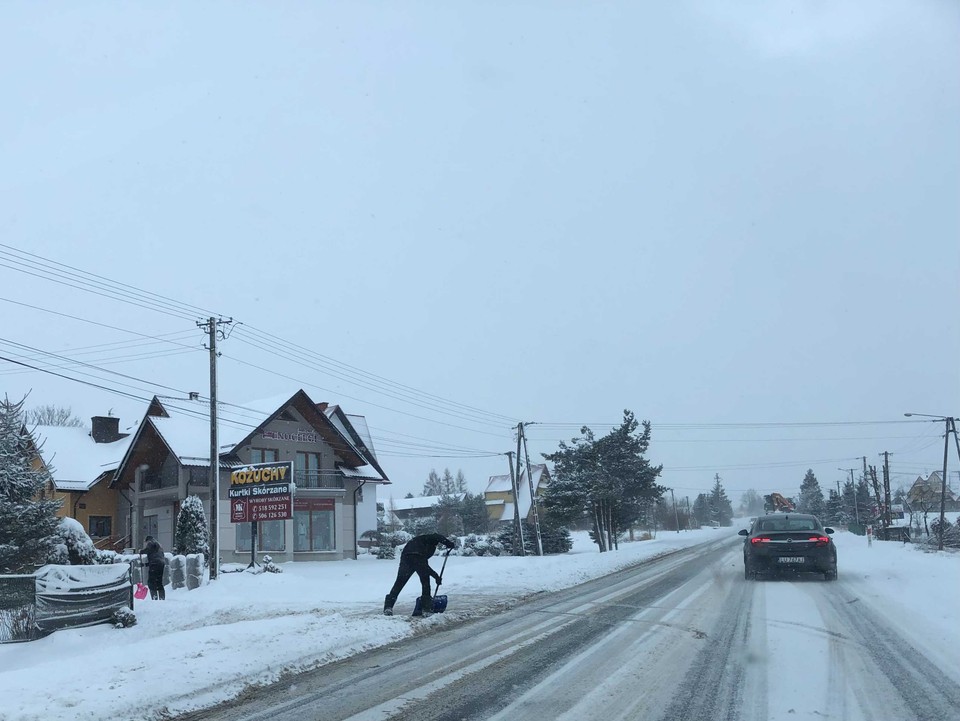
[788, 524]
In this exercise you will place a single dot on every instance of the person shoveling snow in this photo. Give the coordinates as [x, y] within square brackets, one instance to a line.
[413, 559]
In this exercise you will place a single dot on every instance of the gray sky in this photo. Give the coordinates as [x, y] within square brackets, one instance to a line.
[726, 217]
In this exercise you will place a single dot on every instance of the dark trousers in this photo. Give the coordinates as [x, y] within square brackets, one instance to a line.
[408, 566]
[155, 581]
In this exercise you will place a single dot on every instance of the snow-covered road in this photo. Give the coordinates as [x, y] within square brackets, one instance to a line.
[683, 637]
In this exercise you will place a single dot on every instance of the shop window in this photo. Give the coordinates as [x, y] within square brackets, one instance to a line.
[314, 525]
[270, 536]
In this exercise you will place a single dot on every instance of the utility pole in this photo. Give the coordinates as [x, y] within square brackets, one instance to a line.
[517, 526]
[887, 518]
[676, 516]
[533, 493]
[211, 325]
[948, 422]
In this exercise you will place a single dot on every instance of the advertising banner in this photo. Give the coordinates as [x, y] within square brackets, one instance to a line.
[261, 492]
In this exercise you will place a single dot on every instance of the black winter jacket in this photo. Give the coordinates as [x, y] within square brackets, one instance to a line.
[154, 552]
[425, 545]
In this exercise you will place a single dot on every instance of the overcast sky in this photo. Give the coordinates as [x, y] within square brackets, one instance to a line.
[449, 217]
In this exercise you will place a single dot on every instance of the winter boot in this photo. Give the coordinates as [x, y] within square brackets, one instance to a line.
[388, 602]
[426, 605]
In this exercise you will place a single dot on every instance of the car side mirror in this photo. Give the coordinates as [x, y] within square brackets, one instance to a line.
[828, 531]
[743, 532]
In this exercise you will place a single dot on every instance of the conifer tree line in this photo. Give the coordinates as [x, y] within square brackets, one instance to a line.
[605, 482]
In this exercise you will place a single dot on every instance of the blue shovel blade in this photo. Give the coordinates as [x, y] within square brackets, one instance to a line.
[439, 605]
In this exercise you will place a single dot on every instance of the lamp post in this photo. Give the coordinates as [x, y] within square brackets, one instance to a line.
[949, 425]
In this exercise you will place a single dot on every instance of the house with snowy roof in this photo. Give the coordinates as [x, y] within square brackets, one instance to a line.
[81, 464]
[924, 494]
[331, 453]
[399, 511]
[498, 494]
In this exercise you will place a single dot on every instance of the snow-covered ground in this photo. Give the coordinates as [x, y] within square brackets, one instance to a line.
[203, 646]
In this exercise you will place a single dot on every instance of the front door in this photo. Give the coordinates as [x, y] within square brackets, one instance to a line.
[150, 527]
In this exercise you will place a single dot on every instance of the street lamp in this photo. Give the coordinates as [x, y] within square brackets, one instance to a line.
[949, 424]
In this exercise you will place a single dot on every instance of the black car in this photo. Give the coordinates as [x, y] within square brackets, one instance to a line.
[795, 542]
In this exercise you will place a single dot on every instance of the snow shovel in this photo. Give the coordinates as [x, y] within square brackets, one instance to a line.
[439, 602]
[141, 591]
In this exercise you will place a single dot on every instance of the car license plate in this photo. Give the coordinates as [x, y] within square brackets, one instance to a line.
[791, 559]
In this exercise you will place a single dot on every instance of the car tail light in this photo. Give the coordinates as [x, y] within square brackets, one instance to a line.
[759, 539]
[820, 540]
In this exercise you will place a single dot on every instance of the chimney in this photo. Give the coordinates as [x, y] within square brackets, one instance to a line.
[194, 396]
[322, 406]
[105, 429]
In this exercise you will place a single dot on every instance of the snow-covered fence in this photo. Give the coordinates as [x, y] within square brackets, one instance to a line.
[69, 596]
[61, 596]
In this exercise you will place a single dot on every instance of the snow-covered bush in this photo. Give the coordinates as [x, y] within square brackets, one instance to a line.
[474, 545]
[72, 545]
[123, 618]
[178, 572]
[191, 535]
[195, 564]
[106, 557]
[269, 566]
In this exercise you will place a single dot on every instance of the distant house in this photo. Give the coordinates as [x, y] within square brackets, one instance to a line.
[400, 511]
[499, 493]
[168, 458]
[81, 464]
[925, 494]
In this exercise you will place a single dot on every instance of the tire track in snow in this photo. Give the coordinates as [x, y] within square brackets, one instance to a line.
[892, 663]
[713, 686]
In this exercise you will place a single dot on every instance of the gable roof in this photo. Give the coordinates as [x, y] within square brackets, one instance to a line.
[76, 461]
[184, 427]
[501, 484]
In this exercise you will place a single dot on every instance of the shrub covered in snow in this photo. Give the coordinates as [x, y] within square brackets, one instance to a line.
[105, 557]
[72, 545]
[178, 572]
[195, 564]
[123, 618]
[474, 545]
[269, 566]
[191, 535]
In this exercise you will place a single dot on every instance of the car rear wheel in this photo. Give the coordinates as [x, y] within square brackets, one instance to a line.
[749, 574]
[830, 575]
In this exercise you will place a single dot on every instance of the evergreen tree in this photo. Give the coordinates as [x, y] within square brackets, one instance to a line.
[865, 501]
[191, 532]
[701, 509]
[834, 511]
[473, 513]
[433, 485]
[608, 480]
[849, 496]
[446, 513]
[721, 510]
[460, 482]
[811, 496]
[28, 523]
